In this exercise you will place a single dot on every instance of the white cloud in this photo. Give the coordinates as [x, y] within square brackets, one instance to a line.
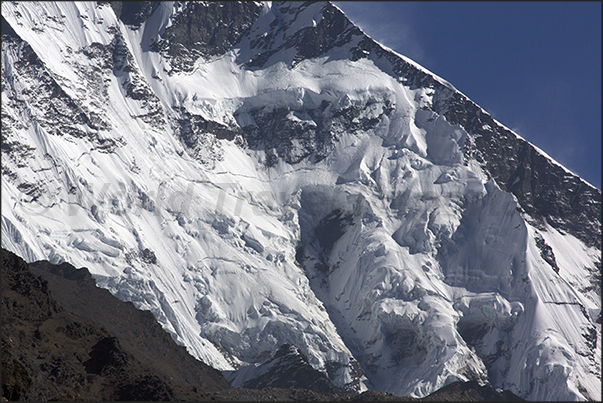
[389, 26]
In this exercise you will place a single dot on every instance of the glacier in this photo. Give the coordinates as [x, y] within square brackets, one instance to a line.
[287, 180]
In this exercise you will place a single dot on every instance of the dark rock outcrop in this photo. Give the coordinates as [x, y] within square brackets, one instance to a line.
[287, 368]
[205, 29]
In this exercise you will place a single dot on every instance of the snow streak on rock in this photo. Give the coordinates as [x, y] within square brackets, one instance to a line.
[261, 175]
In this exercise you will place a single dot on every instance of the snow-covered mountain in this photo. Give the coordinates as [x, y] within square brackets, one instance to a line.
[265, 174]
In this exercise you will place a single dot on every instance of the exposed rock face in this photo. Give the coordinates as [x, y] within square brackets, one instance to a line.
[287, 368]
[329, 30]
[294, 134]
[205, 29]
[48, 104]
[134, 13]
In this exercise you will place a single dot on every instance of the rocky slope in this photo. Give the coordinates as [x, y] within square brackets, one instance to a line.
[264, 174]
[63, 338]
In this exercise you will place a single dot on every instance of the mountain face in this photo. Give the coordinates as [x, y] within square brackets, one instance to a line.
[260, 175]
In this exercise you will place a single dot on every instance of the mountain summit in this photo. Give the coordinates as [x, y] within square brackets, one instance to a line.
[264, 177]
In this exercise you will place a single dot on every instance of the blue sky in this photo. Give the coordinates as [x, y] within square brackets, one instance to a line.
[534, 66]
